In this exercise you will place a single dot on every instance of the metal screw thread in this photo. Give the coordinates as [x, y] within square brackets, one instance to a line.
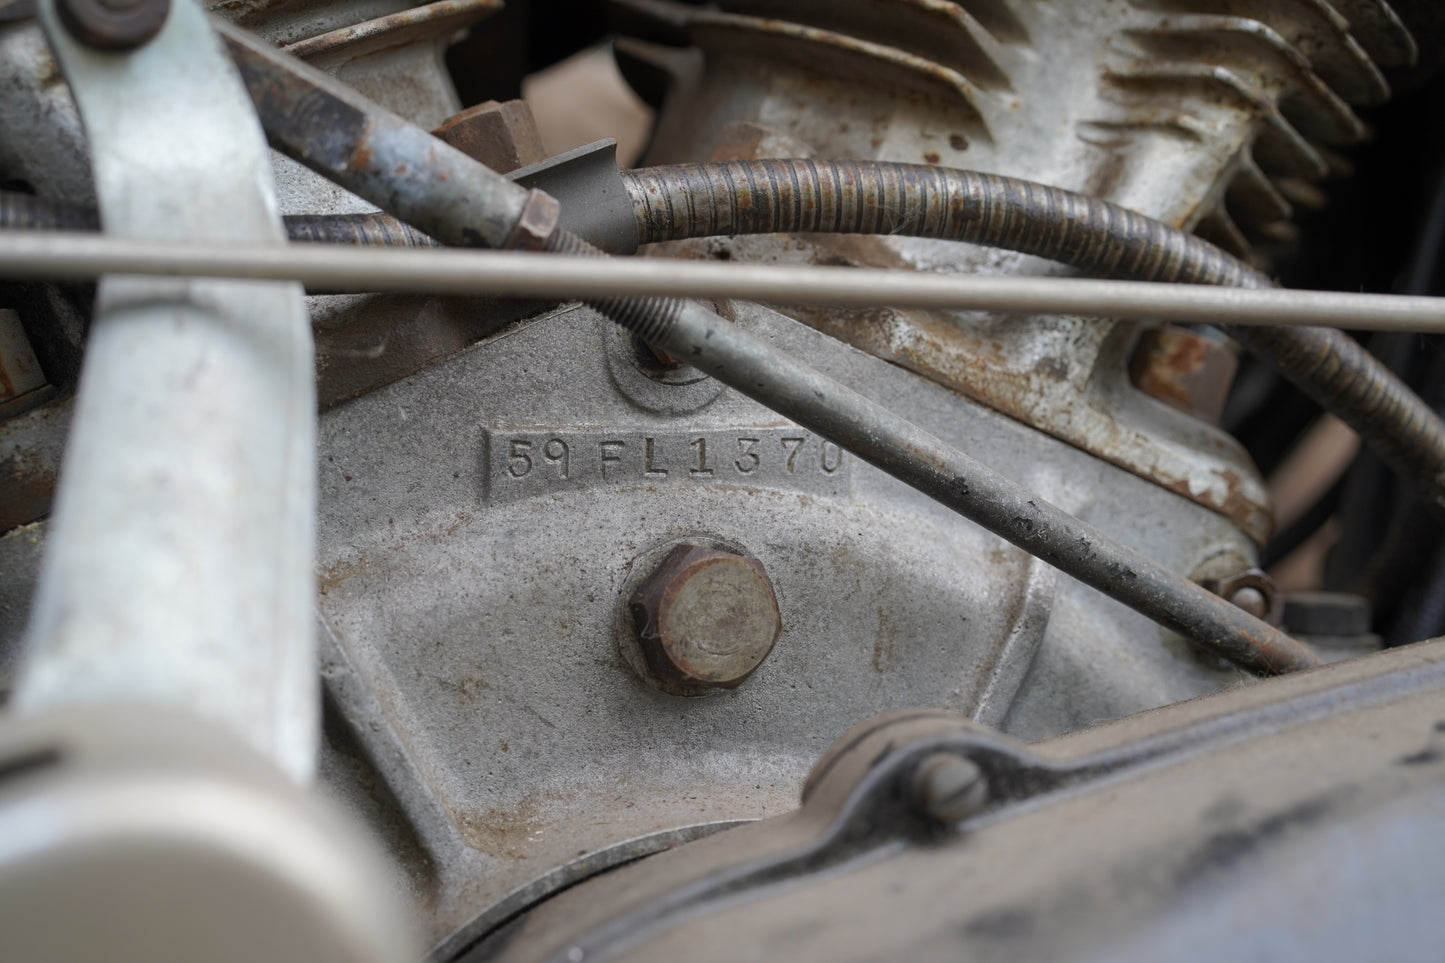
[651, 319]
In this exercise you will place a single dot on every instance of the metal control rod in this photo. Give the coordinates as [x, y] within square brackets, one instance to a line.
[60, 256]
[975, 491]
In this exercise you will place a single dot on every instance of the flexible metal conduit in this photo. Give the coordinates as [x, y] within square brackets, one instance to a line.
[1092, 235]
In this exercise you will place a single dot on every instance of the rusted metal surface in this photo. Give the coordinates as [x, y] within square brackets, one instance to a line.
[769, 196]
[501, 135]
[428, 21]
[375, 229]
[888, 596]
[772, 196]
[30, 448]
[1163, 107]
[1185, 369]
[973, 490]
[536, 224]
[706, 618]
[373, 152]
[406, 558]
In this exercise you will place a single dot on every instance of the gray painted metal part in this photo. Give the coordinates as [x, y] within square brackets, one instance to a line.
[1296, 819]
[136, 834]
[596, 204]
[178, 566]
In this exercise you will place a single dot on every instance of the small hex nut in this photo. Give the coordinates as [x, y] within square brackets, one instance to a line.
[536, 224]
[705, 619]
[1251, 590]
[501, 135]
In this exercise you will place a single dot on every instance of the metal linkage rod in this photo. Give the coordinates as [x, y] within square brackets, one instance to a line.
[404, 171]
[378, 155]
[61, 256]
[975, 491]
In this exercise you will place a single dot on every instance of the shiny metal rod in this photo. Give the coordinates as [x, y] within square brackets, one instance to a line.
[65, 256]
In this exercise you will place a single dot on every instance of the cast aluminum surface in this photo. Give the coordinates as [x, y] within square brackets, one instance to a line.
[480, 595]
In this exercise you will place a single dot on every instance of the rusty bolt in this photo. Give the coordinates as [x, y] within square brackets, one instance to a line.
[706, 618]
[501, 135]
[1185, 369]
[536, 224]
[113, 24]
[1251, 590]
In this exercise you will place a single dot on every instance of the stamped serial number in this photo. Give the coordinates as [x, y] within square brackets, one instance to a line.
[527, 462]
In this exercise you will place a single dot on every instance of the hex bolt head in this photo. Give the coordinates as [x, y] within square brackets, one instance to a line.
[113, 24]
[948, 788]
[706, 618]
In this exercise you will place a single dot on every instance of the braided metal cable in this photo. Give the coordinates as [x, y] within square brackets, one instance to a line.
[867, 197]
[1092, 235]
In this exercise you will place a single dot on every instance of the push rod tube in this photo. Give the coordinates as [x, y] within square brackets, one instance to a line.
[405, 172]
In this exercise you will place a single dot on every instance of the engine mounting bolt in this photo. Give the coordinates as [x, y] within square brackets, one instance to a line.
[501, 135]
[948, 788]
[706, 618]
[113, 24]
